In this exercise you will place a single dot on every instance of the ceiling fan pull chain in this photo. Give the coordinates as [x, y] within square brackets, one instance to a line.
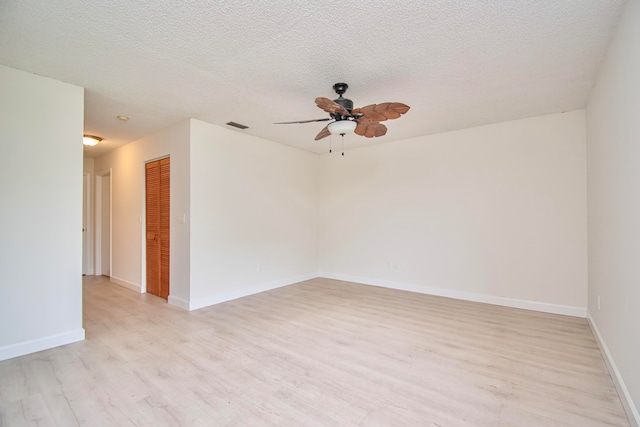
[342, 144]
[330, 141]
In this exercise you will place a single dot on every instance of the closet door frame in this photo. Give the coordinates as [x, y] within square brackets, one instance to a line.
[157, 226]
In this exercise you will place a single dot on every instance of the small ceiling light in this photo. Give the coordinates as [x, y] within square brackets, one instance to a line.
[341, 127]
[91, 140]
[123, 118]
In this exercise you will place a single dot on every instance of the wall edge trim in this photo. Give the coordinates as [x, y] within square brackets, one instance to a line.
[126, 284]
[623, 392]
[566, 310]
[251, 290]
[178, 302]
[32, 346]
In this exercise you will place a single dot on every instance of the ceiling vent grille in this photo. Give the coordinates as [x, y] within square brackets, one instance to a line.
[237, 125]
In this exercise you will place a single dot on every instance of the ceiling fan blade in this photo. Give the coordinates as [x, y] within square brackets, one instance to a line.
[331, 107]
[323, 133]
[370, 113]
[369, 128]
[395, 107]
[382, 112]
[303, 121]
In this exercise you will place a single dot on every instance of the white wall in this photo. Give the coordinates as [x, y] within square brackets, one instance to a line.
[41, 122]
[128, 219]
[253, 214]
[88, 165]
[248, 206]
[613, 134]
[494, 213]
[180, 273]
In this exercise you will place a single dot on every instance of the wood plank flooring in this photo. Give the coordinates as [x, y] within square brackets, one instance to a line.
[317, 353]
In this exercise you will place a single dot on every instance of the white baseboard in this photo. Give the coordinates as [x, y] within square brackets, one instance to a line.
[228, 296]
[128, 285]
[625, 396]
[449, 293]
[566, 310]
[32, 346]
[178, 302]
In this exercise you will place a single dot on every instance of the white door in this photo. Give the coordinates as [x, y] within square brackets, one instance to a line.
[86, 244]
[106, 226]
[103, 223]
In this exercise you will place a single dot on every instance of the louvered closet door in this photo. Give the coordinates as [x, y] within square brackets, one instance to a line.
[158, 221]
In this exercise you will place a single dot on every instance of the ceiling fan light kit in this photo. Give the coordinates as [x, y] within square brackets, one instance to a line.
[342, 127]
[363, 121]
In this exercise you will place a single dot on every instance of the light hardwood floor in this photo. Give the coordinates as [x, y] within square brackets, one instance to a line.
[318, 353]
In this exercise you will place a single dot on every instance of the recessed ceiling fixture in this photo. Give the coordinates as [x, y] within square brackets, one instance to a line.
[123, 118]
[237, 125]
[91, 140]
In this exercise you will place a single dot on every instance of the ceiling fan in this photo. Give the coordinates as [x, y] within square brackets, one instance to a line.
[363, 121]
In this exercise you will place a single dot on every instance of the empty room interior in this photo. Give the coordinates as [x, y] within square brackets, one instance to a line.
[348, 213]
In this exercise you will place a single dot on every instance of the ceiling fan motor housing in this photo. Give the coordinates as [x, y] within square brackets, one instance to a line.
[345, 103]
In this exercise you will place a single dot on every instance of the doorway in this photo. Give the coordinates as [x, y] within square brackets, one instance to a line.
[103, 223]
[157, 215]
[86, 225]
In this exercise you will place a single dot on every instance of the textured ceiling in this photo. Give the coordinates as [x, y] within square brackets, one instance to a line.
[457, 64]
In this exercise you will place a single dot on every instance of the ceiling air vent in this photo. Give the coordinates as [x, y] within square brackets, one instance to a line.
[237, 125]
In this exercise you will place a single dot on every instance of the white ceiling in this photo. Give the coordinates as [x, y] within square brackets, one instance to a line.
[457, 64]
